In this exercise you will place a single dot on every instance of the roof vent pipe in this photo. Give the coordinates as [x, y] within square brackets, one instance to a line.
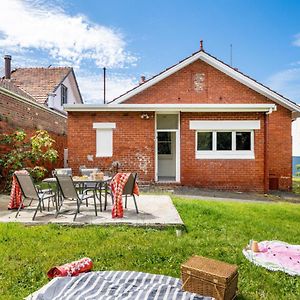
[7, 66]
[201, 45]
[143, 79]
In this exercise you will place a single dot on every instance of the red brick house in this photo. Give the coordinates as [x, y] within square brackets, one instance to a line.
[199, 123]
[32, 98]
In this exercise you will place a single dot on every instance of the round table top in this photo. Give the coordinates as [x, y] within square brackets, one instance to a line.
[80, 179]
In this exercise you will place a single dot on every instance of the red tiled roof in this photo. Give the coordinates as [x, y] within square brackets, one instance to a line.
[39, 82]
[8, 85]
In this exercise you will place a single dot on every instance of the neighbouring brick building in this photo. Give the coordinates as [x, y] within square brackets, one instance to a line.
[33, 98]
[199, 123]
[19, 111]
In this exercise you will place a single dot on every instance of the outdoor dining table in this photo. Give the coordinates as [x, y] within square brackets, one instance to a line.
[81, 181]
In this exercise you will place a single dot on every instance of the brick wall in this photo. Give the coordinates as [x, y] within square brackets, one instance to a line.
[133, 139]
[230, 174]
[133, 142]
[17, 114]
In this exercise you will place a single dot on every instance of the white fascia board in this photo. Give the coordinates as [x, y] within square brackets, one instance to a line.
[104, 125]
[173, 107]
[225, 125]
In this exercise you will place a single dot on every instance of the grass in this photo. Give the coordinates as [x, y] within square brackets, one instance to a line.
[216, 230]
[296, 185]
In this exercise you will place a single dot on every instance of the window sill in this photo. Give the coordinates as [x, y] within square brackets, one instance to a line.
[232, 155]
[100, 155]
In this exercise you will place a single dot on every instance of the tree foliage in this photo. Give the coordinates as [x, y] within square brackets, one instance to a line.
[24, 152]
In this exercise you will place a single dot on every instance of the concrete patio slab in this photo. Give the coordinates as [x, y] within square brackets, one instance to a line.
[154, 210]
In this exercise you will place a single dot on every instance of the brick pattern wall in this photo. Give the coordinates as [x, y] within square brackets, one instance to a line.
[133, 142]
[15, 114]
[230, 174]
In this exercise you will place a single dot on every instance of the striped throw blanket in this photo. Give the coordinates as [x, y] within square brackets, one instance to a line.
[115, 285]
[117, 186]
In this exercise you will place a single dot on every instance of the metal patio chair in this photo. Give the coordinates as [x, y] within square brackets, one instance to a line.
[30, 191]
[128, 190]
[68, 191]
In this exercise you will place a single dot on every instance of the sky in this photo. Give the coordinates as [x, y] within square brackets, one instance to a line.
[138, 37]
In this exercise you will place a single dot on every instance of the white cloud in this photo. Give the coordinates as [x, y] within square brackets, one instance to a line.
[286, 82]
[91, 86]
[47, 27]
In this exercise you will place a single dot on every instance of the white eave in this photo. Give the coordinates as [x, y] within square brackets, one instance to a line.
[247, 81]
[172, 107]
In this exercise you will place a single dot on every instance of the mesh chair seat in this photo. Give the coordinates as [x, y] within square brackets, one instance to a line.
[29, 191]
[68, 191]
[129, 188]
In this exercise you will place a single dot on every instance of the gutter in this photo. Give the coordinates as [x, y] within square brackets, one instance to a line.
[268, 108]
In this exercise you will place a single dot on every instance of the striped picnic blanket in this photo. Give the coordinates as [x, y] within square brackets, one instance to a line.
[117, 285]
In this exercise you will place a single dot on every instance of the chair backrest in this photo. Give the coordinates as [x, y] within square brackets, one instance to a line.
[66, 186]
[129, 186]
[27, 186]
[63, 171]
[88, 172]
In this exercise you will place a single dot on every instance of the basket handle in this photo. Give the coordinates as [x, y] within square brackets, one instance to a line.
[185, 282]
[218, 293]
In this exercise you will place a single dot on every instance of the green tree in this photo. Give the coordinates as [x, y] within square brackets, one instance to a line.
[23, 152]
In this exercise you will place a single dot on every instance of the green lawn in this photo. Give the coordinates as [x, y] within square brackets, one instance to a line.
[217, 230]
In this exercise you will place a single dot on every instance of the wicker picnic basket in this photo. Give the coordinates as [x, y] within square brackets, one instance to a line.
[209, 277]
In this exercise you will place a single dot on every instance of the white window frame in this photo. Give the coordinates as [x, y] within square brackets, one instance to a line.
[225, 126]
[225, 154]
[104, 148]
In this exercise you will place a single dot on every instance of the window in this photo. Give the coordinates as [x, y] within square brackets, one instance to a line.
[204, 141]
[225, 144]
[104, 139]
[243, 141]
[224, 141]
[164, 143]
[64, 95]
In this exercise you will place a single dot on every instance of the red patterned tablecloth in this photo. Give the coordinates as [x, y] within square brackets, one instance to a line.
[16, 193]
[117, 187]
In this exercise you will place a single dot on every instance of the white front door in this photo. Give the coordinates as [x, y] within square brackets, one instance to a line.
[167, 148]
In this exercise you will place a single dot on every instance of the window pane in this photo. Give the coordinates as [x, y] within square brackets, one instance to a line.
[164, 143]
[164, 136]
[164, 148]
[224, 141]
[169, 121]
[204, 141]
[243, 141]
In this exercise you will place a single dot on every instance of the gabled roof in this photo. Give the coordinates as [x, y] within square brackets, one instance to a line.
[39, 82]
[9, 89]
[221, 66]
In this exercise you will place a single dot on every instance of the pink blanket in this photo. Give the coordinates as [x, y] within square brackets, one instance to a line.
[276, 256]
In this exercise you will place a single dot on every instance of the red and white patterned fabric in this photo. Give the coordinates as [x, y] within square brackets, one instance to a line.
[16, 193]
[117, 186]
[71, 269]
